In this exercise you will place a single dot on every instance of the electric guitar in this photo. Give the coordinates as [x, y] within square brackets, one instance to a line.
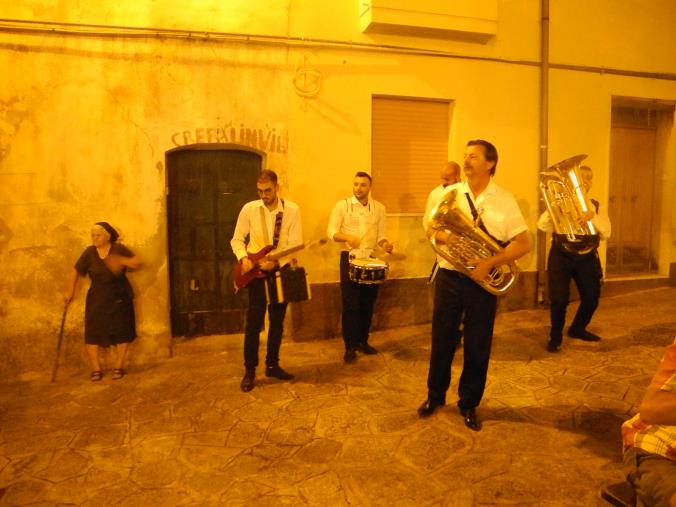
[243, 279]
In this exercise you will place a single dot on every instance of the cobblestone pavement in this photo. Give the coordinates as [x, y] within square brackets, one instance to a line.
[181, 433]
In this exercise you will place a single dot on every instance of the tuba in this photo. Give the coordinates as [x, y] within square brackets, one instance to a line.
[567, 202]
[467, 244]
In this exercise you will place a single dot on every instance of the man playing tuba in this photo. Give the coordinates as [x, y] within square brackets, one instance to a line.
[460, 296]
[567, 261]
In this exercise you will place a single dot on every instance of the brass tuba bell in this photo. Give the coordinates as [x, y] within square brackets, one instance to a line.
[567, 202]
[467, 244]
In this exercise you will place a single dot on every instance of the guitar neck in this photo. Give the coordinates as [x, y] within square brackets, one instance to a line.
[276, 254]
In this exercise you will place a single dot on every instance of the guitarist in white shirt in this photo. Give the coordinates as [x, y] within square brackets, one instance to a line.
[267, 221]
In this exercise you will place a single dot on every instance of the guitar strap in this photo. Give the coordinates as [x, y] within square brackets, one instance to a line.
[278, 228]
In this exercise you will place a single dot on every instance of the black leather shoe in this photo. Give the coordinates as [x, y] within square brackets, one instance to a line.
[249, 380]
[350, 355]
[428, 407]
[554, 346]
[277, 372]
[584, 335]
[367, 349]
[471, 420]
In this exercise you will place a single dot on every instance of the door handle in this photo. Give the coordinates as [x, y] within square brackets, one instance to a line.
[193, 285]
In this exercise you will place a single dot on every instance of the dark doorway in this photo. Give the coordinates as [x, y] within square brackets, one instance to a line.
[207, 186]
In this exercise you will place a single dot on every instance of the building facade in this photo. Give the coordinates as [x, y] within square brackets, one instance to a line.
[101, 103]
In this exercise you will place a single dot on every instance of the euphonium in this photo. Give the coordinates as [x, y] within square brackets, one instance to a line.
[567, 202]
[467, 244]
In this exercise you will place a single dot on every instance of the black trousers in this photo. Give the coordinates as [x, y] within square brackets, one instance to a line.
[586, 271]
[255, 316]
[458, 299]
[358, 301]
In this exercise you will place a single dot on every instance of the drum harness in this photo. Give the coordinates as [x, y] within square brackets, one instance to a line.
[349, 208]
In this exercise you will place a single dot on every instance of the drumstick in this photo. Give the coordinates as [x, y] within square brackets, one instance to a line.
[321, 241]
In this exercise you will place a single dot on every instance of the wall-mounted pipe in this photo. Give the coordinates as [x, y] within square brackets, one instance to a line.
[130, 32]
[544, 143]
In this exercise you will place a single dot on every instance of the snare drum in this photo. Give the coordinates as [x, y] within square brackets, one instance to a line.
[368, 271]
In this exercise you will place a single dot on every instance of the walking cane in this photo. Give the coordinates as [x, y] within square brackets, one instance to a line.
[58, 343]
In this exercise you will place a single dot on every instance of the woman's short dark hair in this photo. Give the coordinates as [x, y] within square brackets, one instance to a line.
[490, 152]
[110, 230]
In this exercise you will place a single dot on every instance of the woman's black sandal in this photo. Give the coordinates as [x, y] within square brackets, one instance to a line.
[96, 376]
[118, 373]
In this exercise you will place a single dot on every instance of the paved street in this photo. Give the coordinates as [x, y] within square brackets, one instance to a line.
[181, 433]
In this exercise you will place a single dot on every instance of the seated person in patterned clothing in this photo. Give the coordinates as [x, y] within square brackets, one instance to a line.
[649, 439]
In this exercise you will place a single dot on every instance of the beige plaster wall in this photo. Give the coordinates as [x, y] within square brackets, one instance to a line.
[85, 123]
[340, 117]
[517, 37]
[86, 126]
[625, 34]
[242, 16]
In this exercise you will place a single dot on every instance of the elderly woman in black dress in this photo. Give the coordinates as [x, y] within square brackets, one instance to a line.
[109, 308]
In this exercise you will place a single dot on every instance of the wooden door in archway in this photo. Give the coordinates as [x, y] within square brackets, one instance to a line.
[207, 186]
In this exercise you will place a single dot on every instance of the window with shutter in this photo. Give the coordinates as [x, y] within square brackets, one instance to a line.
[409, 146]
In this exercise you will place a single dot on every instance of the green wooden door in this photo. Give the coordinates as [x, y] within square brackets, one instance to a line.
[207, 186]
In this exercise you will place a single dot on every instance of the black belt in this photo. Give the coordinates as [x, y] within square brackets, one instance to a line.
[455, 273]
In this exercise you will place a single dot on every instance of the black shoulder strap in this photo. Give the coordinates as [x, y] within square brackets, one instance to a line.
[480, 223]
[475, 215]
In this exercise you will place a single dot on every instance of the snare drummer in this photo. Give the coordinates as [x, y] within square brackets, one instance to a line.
[358, 221]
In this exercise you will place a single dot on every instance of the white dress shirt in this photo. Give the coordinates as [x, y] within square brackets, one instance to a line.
[601, 221]
[250, 222]
[497, 209]
[433, 199]
[367, 222]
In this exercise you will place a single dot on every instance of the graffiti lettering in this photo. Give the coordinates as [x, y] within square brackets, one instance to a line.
[268, 139]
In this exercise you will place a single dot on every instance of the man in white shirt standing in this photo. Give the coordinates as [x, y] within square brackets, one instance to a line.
[359, 222]
[273, 221]
[449, 175]
[460, 298]
[564, 264]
